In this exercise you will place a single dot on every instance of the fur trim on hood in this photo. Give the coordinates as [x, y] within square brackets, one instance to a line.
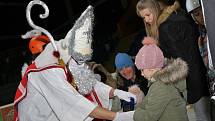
[175, 70]
[168, 11]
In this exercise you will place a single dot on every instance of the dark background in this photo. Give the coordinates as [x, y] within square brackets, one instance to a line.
[110, 16]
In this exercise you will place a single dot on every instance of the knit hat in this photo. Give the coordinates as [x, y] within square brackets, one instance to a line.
[123, 60]
[149, 56]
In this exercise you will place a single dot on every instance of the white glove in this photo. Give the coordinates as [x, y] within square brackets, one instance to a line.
[124, 116]
[125, 95]
[213, 97]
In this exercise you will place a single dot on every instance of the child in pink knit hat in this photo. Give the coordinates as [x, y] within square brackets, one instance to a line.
[166, 82]
[150, 57]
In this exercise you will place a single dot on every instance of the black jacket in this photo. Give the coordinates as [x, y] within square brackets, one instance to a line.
[178, 38]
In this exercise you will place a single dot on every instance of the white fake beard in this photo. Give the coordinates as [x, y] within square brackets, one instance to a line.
[84, 78]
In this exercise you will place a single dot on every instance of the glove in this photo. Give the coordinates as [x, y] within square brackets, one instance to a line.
[123, 95]
[136, 90]
[124, 116]
[213, 98]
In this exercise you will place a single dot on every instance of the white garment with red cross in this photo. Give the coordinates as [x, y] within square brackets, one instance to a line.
[50, 97]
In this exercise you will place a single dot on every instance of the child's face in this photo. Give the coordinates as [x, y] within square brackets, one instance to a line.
[147, 73]
[147, 16]
[127, 72]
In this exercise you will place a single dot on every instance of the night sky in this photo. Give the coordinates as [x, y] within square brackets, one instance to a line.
[14, 24]
[62, 15]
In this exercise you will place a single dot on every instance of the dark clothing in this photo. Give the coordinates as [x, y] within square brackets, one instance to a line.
[178, 38]
[124, 84]
[137, 43]
[140, 81]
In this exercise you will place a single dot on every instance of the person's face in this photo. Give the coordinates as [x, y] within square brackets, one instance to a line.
[147, 73]
[147, 16]
[127, 72]
[198, 16]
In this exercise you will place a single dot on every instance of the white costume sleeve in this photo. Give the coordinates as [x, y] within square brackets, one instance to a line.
[66, 103]
[102, 90]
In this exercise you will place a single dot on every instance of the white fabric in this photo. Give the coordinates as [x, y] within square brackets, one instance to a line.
[51, 98]
[102, 90]
[63, 49]
[209, 56]
[82, 44]
[125, 95]
[124, 116]
[46, 57]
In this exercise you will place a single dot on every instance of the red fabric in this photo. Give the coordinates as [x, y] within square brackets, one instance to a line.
[89, 97]
[94, 98]
[97, 99]
[20, 94]
[22, 89]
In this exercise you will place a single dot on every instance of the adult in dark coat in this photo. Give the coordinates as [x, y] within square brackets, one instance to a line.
[179, 39]
[194, 8]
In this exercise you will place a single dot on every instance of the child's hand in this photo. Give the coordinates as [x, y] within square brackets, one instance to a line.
[136, 91]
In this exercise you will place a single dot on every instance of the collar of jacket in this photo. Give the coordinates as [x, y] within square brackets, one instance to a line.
[174, 70]
[168, 11]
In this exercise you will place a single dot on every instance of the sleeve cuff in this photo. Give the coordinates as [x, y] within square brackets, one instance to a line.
[102, 90]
